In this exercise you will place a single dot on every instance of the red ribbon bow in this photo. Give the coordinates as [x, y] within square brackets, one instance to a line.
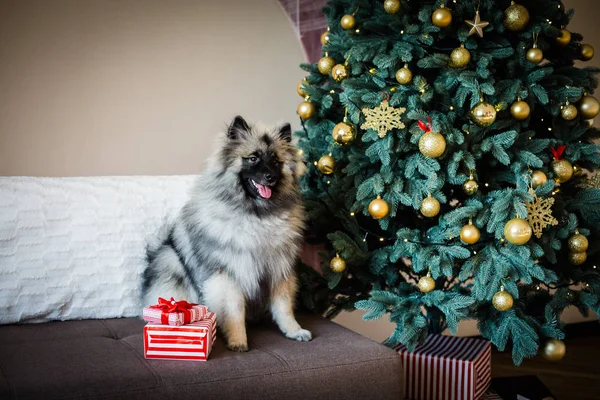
[169, 306]
[558, 152]
[425, 127]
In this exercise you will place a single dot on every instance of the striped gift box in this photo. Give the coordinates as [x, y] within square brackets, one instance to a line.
[185, 342]
[447, 368]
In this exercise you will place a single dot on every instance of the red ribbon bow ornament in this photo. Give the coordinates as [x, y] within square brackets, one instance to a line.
[425, 127]
[558, 152]
[169, 306]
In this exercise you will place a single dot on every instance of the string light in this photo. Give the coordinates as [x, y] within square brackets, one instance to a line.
[352, 214]
[316, 163]
[406, 241]
[451, 108]
[328, 182]
[381, 239]
[486, 185]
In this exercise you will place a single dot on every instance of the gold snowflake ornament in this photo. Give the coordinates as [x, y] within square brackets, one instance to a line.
[539, 214]
[383, 118]
[593, 181]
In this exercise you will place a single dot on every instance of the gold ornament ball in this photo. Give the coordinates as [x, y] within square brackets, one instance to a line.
[442, 17]
[520, 110]
[535, 55]
[432, 144]
[470, 187]
[483, 114]
[426, 284]
[568, 112]
[337, 264]
[564, 38]
[517, 231]
[577, 258]
[339, 72]
[470, 234]
[554, 350]
[300, 89]
[578, 243]
[404, 75]
[343, 133]
[586, 52]
[563, 170]
[326, 165]
[538, 178]
[460, 57]
[348, 21]
[325, 38]
[589, 107]
[306, 110]
[325, 65]
[391, 6]
[516, 17]
[430, 207]
[378, 208]
[502, 301]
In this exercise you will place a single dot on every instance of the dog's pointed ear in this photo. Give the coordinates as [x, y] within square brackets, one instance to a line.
[285, 132]
[237, 128]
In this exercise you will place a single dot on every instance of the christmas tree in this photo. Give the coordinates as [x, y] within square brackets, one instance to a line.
[450, 150]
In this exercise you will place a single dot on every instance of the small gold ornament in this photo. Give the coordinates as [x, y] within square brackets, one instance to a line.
[337, 264]
[325, 37]
[568, 112]
[563, 170]
[589, 107]
[348, 22]
[535, 55]
[517, 231]
[442, 17]
[483, 114]
[586, 52]
[554, 350]
[343, 133]
[470, 234]
[432, 144]
[326, 164]
[404, 75]
[520, 110]
[539, 214]
[516, 17]
[577, 258]
[578, 243]
[378, 208]
[470, 186]
[306, 110]
[325, 64]
[430, 207]
[383, 118]
[460, 57]
[300, 88]
[577, 170]
[340, 72]
[477, 25]
[391, 6]
[564, 38]
[502, 300]
[538, 178]
[426, 283]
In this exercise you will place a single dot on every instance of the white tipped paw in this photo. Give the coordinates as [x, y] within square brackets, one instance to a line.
[301, 335]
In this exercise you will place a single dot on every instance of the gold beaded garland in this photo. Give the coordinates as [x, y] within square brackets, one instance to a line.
[538, 178]
[517, 231]
[378, 208]
[441, 17]
[326, 164]
[589, 107]
[391, 6]
[554, 350]
[430, 206]
[520, 110]
[502, 300]
[343, 133]
[516, 17]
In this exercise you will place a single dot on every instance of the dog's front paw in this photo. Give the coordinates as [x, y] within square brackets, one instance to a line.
[239, 347]
[301, 335]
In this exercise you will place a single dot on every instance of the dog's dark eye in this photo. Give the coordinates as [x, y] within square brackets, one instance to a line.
[253, 159]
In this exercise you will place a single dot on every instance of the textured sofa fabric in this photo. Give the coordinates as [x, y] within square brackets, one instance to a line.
[103, 359]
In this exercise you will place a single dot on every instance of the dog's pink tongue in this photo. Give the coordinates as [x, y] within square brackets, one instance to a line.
[265, 191]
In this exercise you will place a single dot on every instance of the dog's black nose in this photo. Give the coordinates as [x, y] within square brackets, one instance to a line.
[270, 178]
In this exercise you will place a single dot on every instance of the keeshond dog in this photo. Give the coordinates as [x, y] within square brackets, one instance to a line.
[234, 244]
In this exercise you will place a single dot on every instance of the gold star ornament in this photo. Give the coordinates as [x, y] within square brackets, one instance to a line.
[477, 25]
[539, 214]
[383, 118]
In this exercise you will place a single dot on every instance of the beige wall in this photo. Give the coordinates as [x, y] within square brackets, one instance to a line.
[105, 87]
[108, 87]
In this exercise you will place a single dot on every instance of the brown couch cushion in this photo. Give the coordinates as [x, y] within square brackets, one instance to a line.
[103, 359]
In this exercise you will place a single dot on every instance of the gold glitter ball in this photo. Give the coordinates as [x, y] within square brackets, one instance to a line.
[432, 144]
[563, 170]
[578, 243]
[554, 350]
[568, 112]
[502, 300]
[391, 6]
[430, 207]
[337, 264]
[516, 17]
[426, 284]
[325, 65]
[460, 57]
[577, 258]
[339, 72]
